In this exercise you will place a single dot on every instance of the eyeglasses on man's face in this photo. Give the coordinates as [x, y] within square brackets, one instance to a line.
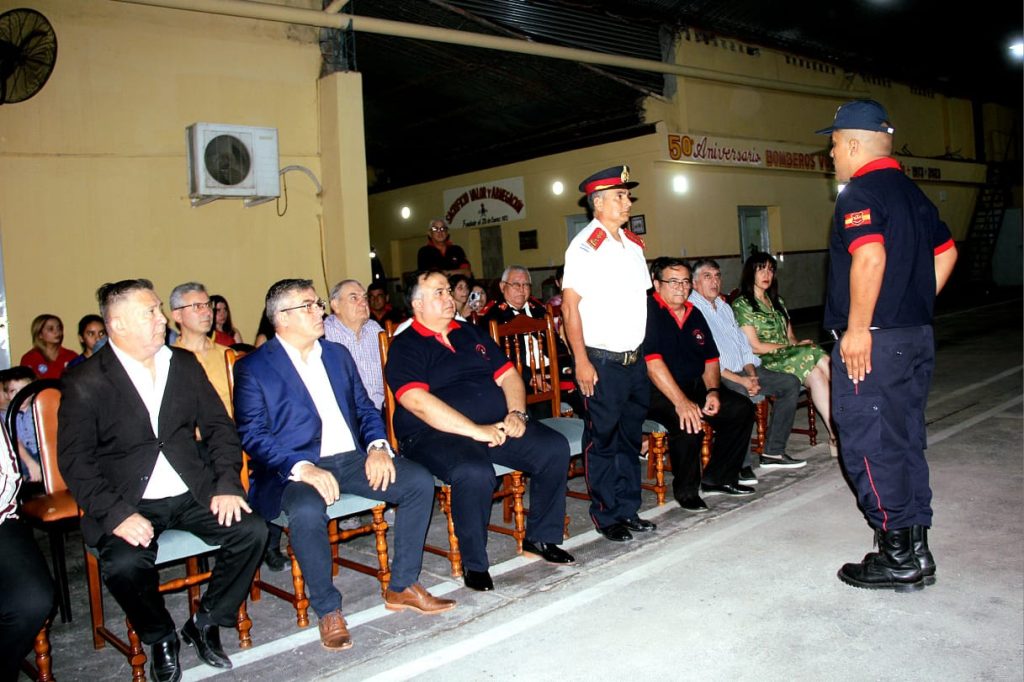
[438, 228]
[676, 283]
[308, 306]
[518, 285]
[196, 307]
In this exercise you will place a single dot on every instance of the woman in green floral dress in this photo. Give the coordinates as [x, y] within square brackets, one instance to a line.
[762, 315]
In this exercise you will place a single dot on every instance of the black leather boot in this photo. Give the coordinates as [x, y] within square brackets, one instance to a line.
[892, 567]
[919, 538]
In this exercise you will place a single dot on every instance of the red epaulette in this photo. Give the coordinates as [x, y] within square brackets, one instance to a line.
[635, 238]
[597, 238]
[487, 308]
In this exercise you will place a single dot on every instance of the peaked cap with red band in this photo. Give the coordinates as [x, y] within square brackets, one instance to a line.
[616, 177]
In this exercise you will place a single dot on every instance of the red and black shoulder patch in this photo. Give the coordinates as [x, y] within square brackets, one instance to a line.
[635, 238]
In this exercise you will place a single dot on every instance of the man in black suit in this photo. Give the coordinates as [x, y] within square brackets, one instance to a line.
[128, 450]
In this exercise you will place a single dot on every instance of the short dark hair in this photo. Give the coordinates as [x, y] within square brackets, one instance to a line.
[422, 275]
[86, 321]
[115, 292]
[377, 285]
[279, 290]
[18, 373]
[660, 265]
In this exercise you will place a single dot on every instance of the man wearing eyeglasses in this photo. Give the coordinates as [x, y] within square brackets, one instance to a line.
[682, 362]
[515, 286]
[440, 254]
[311, 432]
[193, 314]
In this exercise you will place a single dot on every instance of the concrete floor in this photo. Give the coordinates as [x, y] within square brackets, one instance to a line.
[746, 592]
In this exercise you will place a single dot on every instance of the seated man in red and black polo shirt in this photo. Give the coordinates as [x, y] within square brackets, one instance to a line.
[682, 362]
[461, 408]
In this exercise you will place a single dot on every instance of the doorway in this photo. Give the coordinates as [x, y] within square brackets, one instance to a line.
[754, 233]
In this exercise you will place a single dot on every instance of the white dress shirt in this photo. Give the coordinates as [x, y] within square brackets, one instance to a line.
[335, 436]
[164, 481]
[612, 281]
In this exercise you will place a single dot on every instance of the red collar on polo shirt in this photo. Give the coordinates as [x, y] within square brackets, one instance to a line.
[687, 309]
[878, 164]
[424, 331]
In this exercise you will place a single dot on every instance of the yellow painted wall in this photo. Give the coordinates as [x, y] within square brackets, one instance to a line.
[93, 182]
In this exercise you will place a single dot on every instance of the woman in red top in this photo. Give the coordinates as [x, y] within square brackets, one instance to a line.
[223, 331]
[48, 359]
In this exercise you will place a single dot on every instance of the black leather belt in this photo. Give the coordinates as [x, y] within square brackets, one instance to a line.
[626, 358]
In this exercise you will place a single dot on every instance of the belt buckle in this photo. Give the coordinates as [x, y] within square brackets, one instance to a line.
[629, 358]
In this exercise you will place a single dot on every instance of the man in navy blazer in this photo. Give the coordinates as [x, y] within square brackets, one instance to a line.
[311, 431]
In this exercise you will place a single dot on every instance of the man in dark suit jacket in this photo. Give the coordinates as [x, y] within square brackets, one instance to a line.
[311, 430]
[127, 449]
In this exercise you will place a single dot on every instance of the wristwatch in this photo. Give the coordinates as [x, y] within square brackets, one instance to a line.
[522, 415]
[714, 389]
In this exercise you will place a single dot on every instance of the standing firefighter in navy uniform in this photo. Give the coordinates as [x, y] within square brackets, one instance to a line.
[604, 308]
[890, 256]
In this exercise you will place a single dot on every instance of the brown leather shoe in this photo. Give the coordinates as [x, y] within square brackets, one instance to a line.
[334, 632]
[417, 598]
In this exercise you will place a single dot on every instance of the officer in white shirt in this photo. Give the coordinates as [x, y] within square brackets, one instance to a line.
[604, 309]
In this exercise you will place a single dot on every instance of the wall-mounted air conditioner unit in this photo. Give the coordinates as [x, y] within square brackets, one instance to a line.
[230, 161]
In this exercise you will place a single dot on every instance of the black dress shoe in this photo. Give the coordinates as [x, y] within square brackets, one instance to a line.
[163, 660]
[693, 504]
[206, 640]
[275, 559]
[478, 580]
[548, 551]
[616, 532]
[726, 489]
[638, 525]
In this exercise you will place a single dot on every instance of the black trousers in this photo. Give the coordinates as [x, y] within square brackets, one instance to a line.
[132, 577]
[541, 452]
[732, 427]
[26, 595]
[613, 425]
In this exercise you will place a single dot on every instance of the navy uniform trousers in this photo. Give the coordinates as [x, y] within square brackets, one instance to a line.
[541, 453]
[613, 425]
[882, 429]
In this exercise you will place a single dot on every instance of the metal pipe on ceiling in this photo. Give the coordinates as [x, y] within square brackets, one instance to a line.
[311, 17]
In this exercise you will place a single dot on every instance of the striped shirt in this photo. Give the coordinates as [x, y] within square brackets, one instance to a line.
[734, 349]
[364, 350]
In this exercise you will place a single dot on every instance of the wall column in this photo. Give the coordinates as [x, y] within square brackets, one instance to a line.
[343, 163]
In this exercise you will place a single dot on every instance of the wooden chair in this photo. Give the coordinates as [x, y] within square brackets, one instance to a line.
[530, 343]
[812, 426]
[42, 671]
[657, 451]
[512, 487]
[55, 511]
[347, 505]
